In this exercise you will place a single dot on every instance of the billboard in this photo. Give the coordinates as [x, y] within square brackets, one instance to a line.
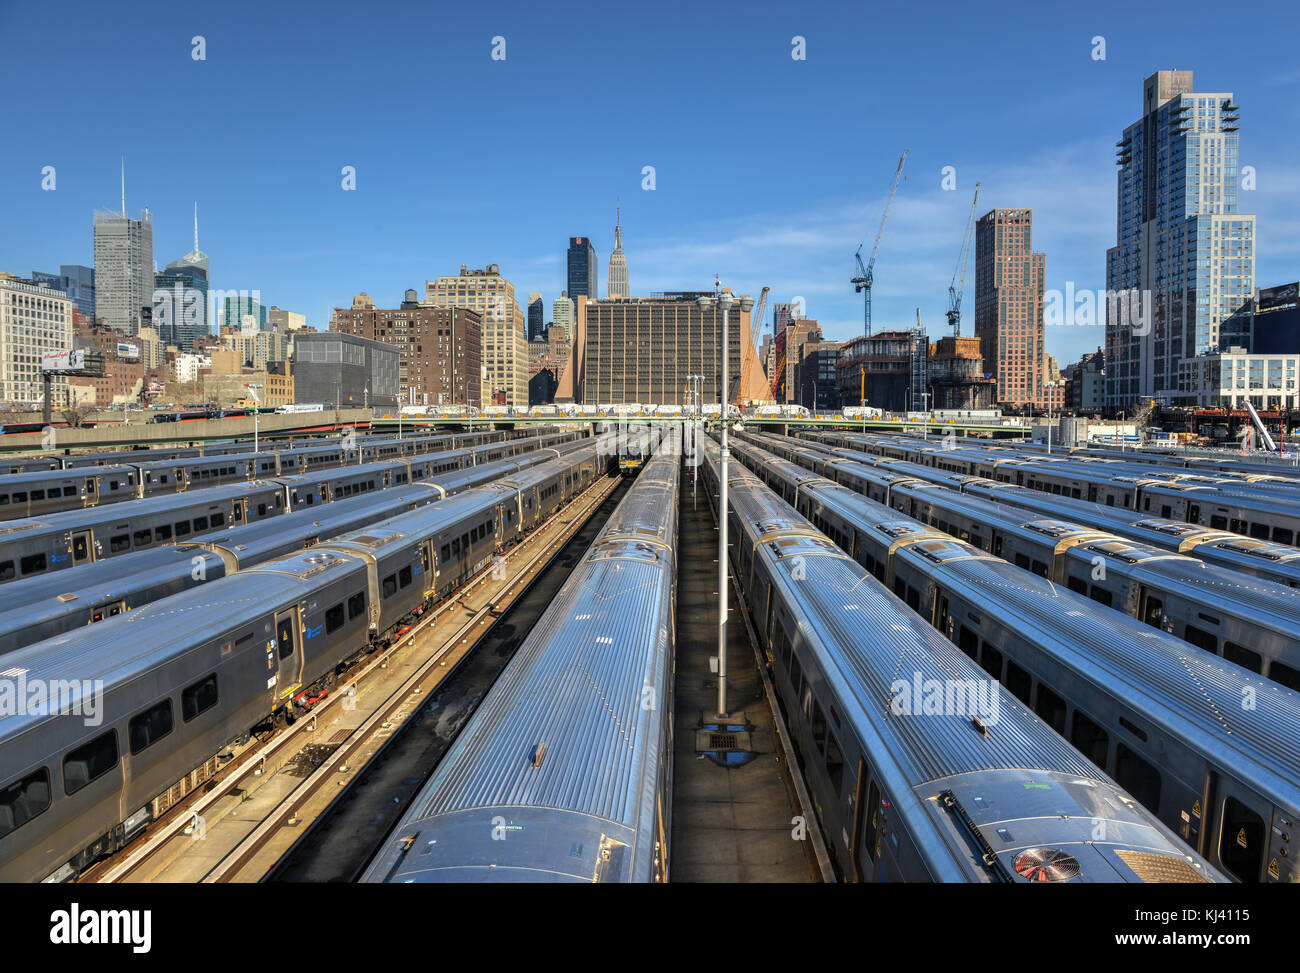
[1279, 296]
[68, 360]
[125, 350]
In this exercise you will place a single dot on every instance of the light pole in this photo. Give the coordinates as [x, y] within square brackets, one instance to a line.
[697, 383]
[724, 300]
[252, 390]
[925, 429]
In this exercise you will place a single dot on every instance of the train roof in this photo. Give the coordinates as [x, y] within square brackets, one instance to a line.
[120, 649]
[1193, 694]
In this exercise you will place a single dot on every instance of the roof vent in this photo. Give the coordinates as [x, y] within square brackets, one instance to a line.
[1046, 865]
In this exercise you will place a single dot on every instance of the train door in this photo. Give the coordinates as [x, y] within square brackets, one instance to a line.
[1153, 609]
[83, 546]
[859, 809]
[90, 491]
[287, 633]
[1241, 830]
[180, 478]
[239, 512]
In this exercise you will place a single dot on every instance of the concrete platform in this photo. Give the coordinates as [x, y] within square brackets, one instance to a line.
[730, 824]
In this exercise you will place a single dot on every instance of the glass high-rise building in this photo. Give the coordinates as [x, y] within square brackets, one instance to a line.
[76, 281]
[583, 275]
[536, 317]
[124, 270]
[1184, 258]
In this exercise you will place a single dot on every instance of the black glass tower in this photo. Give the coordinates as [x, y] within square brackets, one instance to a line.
[582, 268]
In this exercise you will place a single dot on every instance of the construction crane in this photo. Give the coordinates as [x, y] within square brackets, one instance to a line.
[862, 283]
[756, 319]
[955, 289]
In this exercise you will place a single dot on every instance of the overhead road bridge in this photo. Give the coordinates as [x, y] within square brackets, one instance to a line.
[777, 424]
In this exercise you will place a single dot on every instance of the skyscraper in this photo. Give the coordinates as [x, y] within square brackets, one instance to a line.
[562, 313]
[583, 275]
[181, 297]
[1009, 305]
[124, 268]
[1184, 259]
[617, 283]
[536, 317]
[76, 281]
[505, 343]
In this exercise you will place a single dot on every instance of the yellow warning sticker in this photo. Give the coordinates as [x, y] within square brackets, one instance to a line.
[1196, 809]
[1273, 869]
[1241, 838]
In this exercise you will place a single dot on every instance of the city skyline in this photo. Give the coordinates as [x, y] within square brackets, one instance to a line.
[789, 220]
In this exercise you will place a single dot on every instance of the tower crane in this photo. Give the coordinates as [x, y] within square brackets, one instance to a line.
[955, 289]
[756, 319]
[862, 283]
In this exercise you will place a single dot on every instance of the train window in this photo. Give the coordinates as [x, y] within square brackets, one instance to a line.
[1050, 709]
[1077, 584]
[38, 495]
[1022, 561]
[445, 554]
[200, 523]
[1284, 674]
[218, 519]
[390, 586]
[1039, 569]
[1241, 847]
[202, 696]
[1218, 523]
[1166, 511]
[143, 538]
[913, 599]
[991, 661]
[1019, 682]
[1137, 777]
[1243, 657]
[261, 510]
[1089, 739]
[796, 674]
[1147, 504]
[183, 529]
[1238, 526]
[357, 605]
[1110, 500]
[1194, 513]
[162, 532]
[1201, 639]
[33, 563]
[968, 641]
[334, 618]
[872, 822]
[834, 764]
[23, 800]
[147, 728]
[1282, 535]
[1259, 531]
[1100, 595]
[6, 570]
[1075, 493]
[121, 542]
[89, 761]
[900, 587]
[818, 721]
[404, 577]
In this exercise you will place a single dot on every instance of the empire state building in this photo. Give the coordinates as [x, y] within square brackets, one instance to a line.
[616, 282]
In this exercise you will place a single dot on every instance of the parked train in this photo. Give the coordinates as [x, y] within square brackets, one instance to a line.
[50, 604]
[1251, 622]
[1237, 509]
[564, 759]
[1249, 555]
[1212, 749]
[983, 791]
[63, 540]
[36, 493]
[261, 647]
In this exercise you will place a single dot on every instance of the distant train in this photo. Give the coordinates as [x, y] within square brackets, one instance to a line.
[261, 646]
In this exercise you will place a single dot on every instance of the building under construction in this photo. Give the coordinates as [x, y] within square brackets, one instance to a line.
[957, 377]
[882, 371]
[644, 349]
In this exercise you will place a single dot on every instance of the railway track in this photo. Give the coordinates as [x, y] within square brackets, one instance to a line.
[216, 833]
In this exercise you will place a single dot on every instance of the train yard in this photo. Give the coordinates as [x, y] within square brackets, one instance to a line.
[493, 656]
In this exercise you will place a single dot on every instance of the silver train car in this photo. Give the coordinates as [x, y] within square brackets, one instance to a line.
[1248, 555]
[47, 605]
[146, 707]
[978, 792]
[1212, 749]
[1252, 622]
[564, 773]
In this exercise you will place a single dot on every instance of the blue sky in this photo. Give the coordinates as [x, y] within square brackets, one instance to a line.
[768, 171]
